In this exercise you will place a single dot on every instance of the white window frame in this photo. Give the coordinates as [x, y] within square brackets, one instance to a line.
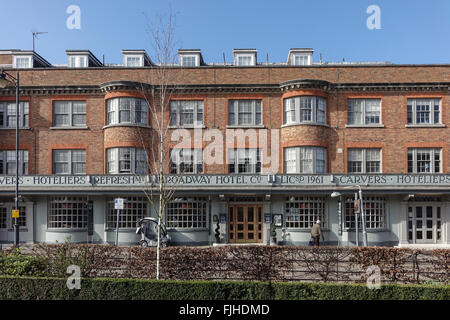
[413, 103]
[295, 106]
[71, 161]
[78, 61]
[114, 109]
[297, 58]
[298, 161]
[29, 64]
[176, 111]
[234, 105]
[71, 113]
[135, 208]
[302, 212]
[248, 153]
[9, 156]
[193, 157]
[133, 56]
[364, 159]
[249, 56]
[364, 112]
[375, 213]
[189, 56]
[8, 110]
[113, 160]
[188, 213]
[62, 211]
[433, 152]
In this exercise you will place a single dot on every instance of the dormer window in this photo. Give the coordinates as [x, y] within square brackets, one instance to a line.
[136, 58]
[82, 59]
[190, 57]
[23, 62]
[244, 57]
[300, 60]
[188, 61]
[77, 62]
[133, 61]
[300, 57]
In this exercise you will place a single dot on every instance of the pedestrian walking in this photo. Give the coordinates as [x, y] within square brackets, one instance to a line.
[316, 233]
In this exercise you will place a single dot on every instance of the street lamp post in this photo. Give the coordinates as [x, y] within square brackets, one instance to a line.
[4, 82]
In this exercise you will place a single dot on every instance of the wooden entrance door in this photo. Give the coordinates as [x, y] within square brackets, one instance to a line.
[245, 223]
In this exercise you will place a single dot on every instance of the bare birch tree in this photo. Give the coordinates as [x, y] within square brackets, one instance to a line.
[161, 84]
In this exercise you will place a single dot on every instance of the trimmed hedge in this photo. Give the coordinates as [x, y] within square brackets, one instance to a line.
[27, 288]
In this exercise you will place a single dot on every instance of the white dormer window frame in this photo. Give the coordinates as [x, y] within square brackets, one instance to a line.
[301, 59]
[189, 56]
[251, 58]
[140, 60]
[78, 61]
[20, 64]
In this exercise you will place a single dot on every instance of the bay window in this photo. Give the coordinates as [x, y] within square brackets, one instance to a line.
[305, 109]
[126, 111]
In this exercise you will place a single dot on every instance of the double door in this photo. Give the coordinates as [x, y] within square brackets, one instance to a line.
[245, 223]
[425, 223]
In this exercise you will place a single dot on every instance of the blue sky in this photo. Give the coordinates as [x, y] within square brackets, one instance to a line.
[411, 31]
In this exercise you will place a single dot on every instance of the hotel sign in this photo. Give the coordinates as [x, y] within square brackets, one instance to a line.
[217, 181]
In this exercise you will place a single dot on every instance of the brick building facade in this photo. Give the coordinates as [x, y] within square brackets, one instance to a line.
[335, 127]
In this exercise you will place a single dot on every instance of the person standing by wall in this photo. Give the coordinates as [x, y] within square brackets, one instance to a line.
[316, 233]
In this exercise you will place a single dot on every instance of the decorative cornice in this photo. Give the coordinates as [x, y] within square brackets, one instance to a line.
[299, 84]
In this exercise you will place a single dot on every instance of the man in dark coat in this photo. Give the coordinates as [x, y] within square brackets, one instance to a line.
[316, 233]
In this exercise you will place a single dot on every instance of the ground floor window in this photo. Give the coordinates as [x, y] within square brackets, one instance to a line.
[303, 212]
[187, 213]
[67, 213]
[374, 209]
[134, 209]
[3, 217]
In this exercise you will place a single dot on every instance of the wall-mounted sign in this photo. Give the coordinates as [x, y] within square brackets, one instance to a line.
[278, 219]
[223, 218]
[118, 203]
[267, 218]
[15, 213]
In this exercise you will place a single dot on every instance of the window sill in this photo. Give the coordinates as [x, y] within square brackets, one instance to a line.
[127, 125]
[368, 230]
[307, 230]
[14, 128]
[66, 230]
[70, 128]
[125, 230]
[188, 127]
[305, 124]
[187, 229]
[256, 126]
[364, 126]
[425, 126]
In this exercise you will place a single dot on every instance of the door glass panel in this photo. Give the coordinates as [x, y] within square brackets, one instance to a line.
[231, 227]
[410, 212]
[438, 212]
[429, 224]
[231, 214]
[250, 227]
[419, 235]
[429, 235]
[429, 212]
[418, 212]
[240, 236]
[250, 214]
[419, 224]
[240, 227]
[240, 214]
[259, 214]
[250, 236]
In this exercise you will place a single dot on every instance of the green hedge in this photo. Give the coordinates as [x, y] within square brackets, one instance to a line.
[27, 288]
